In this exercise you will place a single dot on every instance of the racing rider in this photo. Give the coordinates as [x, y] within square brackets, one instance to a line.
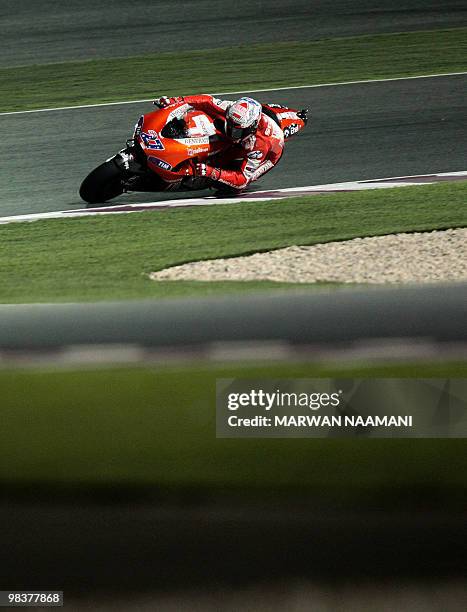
[257, 141]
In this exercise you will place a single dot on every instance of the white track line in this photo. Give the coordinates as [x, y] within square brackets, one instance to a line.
[228, 93]
[257, 196]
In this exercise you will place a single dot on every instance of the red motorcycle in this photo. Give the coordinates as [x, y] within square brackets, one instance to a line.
[166, 144]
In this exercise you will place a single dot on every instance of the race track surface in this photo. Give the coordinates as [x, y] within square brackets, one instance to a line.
[359, 131]
[39, 32]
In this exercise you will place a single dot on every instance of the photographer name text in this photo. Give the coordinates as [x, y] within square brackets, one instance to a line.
[315, 420]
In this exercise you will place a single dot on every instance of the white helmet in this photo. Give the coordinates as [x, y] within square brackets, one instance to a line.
[242, 118]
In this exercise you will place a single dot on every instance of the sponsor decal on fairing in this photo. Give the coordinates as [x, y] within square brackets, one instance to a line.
[192, 152]
[291, 129]
[151, 140]
[287, 115]
[160, 163]
[189, 142]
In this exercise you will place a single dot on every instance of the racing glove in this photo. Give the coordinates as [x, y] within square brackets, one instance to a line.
[210, 172]
[164, 101]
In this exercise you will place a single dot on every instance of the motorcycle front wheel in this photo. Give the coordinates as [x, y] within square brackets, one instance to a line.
[103, 183]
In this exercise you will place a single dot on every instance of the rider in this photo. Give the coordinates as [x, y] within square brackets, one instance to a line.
[256, 140]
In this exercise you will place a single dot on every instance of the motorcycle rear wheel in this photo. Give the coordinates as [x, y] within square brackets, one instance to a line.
[103, 183]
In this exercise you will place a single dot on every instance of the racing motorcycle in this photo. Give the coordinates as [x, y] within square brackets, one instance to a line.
[165, 146]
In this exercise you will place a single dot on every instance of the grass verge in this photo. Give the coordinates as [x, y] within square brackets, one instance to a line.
[148, 426]
[110, 257]
[256, 66]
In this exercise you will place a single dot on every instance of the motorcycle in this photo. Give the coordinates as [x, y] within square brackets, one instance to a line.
[165, 146]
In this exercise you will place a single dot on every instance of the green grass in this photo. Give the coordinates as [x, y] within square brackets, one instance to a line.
[149, 426]
[97, 258]
[255, 67]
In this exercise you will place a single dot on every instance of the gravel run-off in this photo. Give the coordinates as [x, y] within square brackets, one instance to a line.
[396, 258]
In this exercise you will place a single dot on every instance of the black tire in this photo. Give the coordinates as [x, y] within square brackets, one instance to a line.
[102, 184]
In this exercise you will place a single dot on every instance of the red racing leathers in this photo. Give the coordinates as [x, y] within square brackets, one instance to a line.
[248, 160]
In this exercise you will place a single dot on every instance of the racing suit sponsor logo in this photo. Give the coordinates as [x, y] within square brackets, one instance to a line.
[151, 140]
[249, 171]
[179, 113]
[262, 169]
[249, 142]
[160, 162]
[253, 164]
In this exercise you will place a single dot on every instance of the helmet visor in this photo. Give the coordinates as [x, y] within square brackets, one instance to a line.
[237, 133]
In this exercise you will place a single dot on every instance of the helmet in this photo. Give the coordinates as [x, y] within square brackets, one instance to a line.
[242, 118]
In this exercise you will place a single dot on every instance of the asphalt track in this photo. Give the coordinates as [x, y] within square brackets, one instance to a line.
[38, 32]
[358, 131]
